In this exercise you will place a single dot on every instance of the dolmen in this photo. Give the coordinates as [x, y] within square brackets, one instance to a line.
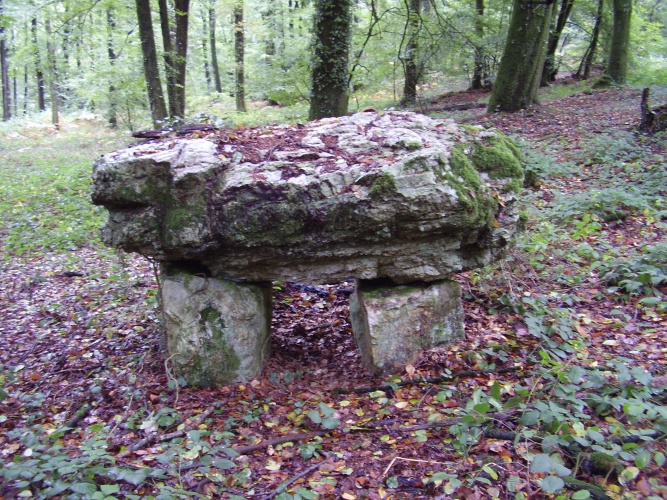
[398, 201]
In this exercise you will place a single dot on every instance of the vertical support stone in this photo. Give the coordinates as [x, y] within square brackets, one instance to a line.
[393, 324]
[217, 330]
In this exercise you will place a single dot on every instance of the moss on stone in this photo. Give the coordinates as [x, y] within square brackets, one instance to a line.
[215, 362]
[499, 158]
[602, 464]
[384, 185]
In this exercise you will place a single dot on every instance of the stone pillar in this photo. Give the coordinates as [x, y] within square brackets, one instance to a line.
[393, 324]
[217, 330]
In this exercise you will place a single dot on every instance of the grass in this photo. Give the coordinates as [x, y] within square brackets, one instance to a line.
[45, 183]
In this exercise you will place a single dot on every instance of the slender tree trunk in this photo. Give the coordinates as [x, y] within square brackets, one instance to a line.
[239, 53]
[4, 64]
[53, 77]
[204, 47]
[25, 90]
[332, 29]
[214, 49]
[41, 101]
[550, 67]
[151, 71]
[111, 26]
[523, 59]
[268, 16]
[182, 21]
[175, 53]
[592, 48]
[410, 66]
[617, 68]
[479, 74]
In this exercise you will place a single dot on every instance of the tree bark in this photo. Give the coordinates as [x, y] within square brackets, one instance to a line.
[204, 47]
[617, 68]
[4, 70]
[239, 54]
[550, 67]
[153, 83]
[41, 101]
[592, 47]
[182, 21]
[53, 77]
[523, 59]
[168, 54]
[410, 66]
[214, 49]
[332, 29]
[479, 74]
[111, 25]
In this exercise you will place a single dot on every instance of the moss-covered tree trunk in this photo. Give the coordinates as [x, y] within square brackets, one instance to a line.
[523, 59]
[617, 68]
[239, 54]
[332, 29]
[550, 66]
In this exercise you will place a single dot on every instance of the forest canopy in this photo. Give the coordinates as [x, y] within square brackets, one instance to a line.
[87, 55]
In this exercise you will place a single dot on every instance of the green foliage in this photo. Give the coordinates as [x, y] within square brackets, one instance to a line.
[45, 198]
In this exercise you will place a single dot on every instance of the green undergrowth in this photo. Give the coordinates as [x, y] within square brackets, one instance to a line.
[45, 185]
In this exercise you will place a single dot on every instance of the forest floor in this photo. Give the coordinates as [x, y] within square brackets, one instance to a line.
[90, 409]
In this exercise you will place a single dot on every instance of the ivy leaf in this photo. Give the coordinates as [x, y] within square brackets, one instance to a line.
[643, 459]
[330, 423]
[581, 495]
[315, 416]
[541, 463]
[552, 484]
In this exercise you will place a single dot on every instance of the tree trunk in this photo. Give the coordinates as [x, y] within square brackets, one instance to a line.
[214, 49]
[592, 48]
[153, 84]
[268, 16]
[4, 70]
[168, 54]
[41, 101]
[523, 59]
[332, 29]
[617, 68]
[479, 74]
[182, 21]
[550, 67]
[53, 77]
[239, 53]
[410, 67]
[204, 48]
[111, 25]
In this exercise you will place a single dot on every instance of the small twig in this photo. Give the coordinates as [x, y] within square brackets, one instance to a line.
[244, 450]
[294, 479]
[391, 464]
[432, 380]
[80, 414]
[155, 438]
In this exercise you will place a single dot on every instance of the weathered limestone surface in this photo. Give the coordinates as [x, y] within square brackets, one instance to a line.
[395, 196]
[393, 324]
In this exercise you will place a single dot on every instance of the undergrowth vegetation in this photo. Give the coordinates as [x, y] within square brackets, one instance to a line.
[585, 419]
